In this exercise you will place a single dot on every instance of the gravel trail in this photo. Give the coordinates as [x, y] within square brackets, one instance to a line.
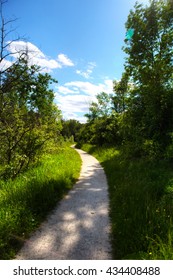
[79, 227]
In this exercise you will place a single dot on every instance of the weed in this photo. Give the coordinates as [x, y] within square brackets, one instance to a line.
[25, 201]
[141, 204]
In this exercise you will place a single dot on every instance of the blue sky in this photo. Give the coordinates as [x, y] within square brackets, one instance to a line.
[79, 42]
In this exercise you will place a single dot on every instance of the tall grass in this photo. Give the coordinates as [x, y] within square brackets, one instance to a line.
[141, 205]
[25, 201]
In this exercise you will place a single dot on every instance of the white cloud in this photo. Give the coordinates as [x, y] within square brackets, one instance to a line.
[77, 103]
[84, 87]
[141, 1]
[72, 104]
[36, 56]
[17, 47]
[74, 98]
[68, 116]
[83, 74]
[66, 90]
[87, 73]
[64, 60]
[5, 64]
[91, 89]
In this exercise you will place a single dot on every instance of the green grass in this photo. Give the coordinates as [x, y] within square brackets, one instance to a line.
[25, 201]
[141, 205]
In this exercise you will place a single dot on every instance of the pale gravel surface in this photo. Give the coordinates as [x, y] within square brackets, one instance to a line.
[79, 227]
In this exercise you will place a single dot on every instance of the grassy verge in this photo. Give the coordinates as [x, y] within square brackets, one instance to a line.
[25, 201]
[141, 205]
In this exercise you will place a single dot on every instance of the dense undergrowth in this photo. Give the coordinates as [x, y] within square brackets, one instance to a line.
[26, 200]
[141, 204]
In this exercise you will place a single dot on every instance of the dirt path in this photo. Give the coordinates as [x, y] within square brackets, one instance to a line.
[79, 227]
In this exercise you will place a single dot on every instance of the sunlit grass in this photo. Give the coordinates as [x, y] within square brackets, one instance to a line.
[25, 201]
[141, 205]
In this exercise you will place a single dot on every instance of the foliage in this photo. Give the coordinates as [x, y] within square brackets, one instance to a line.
[101, 108]
[28, 117]
[102, 124]
[121, 90]
[141, 204]
[139, 115]
[149, 64]
[25, 201]
[71, 128]
[140, 174]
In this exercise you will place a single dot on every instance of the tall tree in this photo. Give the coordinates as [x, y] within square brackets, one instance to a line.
[121, 90]
[150, 64]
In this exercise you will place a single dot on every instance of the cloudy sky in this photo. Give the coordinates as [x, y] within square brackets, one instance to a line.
[79, 42]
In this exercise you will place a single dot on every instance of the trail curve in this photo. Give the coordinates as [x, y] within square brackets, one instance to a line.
[79, 227]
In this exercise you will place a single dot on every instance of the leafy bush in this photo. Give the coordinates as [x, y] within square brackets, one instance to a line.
[28, 116]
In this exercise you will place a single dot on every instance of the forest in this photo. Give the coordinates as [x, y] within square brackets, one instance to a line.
[129, 131]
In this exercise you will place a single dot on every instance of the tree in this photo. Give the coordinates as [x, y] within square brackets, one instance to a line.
[71, 128]
[28, 116]
[6, 32]
[149, 63]
[121, 90]
[102, 126]
[101, 108]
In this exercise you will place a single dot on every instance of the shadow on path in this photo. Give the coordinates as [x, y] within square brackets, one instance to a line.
[79, 228]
